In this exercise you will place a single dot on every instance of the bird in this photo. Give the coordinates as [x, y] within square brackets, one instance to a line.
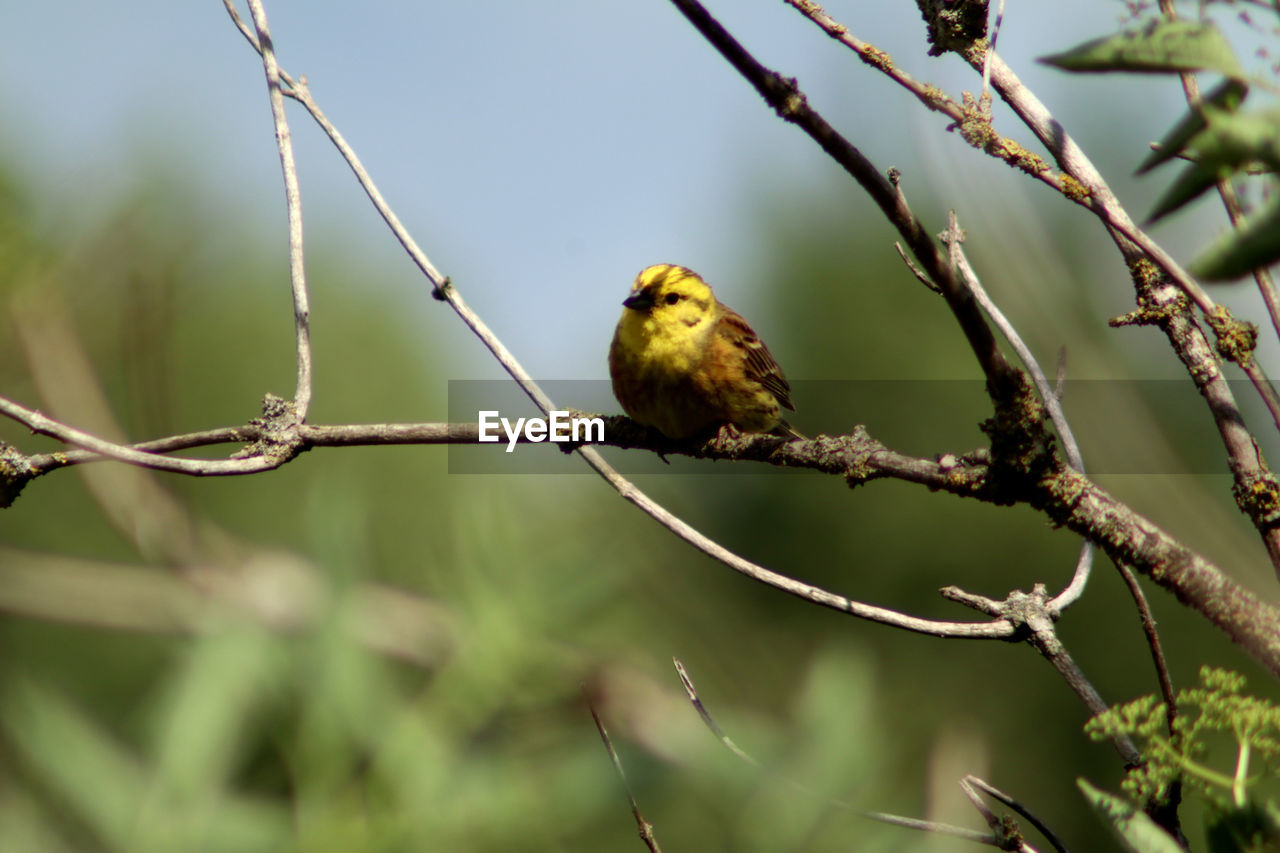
[686, 364]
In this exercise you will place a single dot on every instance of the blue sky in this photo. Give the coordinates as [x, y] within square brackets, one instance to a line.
[542, 153]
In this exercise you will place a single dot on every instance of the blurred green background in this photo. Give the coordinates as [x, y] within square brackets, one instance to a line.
[363, 651]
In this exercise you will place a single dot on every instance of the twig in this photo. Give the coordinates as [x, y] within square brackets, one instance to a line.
[995, 35]
[692, 692]
[953, 238]
[643, 826]
[1184, 335]
[1153, 641]
[1162, 305]
[293, 199]
[1165, 813]
[915, 269]
[971, 782]
[961, 832]
[935, 99]
[1262, 275]
[785, 97]
[1033, 615]
[177, 464]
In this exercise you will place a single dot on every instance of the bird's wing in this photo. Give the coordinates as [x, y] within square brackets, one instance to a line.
[760, 364]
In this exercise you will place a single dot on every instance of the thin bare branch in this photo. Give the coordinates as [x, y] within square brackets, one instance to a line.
[784, 96]
[1153, 641]
[43, 425]
[691, 691]
[1044, 637]
[915, 270]
[1262, 276]
[1033, 616]
[643, 826]
[293, 200]
[965, 117]
[709, 721]
[1051, 397]
[973, 782]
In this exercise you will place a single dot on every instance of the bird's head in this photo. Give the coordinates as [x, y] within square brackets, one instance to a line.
[670, 300]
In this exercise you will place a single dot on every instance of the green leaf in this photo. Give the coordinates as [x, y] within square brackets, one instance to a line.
[1192, 183]
[1230, 142]
[208, 709]
[1227, 97]
[97, 778]
[1138, 832]
[1163, 47]
[1255, 244]
[1238, 140]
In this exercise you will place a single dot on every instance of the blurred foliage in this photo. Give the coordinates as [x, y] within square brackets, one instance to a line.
[362, 651]
[1251, 726]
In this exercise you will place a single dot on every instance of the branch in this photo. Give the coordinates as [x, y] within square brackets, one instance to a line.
[293, 199]
[1081, 183]
[43, 425]
[972, 784]
[1262, 275]
[974, 125]
[642, 826]
[1001, 376]
[1067, 497]
[1004, 382]
[1053, 404]
[709, 721]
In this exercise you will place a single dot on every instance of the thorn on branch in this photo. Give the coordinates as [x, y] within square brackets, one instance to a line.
[441, 292]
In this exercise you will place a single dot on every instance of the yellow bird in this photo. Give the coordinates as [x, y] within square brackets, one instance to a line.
[686, 364]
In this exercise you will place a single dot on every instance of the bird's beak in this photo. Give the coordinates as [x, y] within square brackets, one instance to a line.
[641, 300]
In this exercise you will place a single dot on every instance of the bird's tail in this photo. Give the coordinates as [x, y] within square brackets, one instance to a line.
[787, 430]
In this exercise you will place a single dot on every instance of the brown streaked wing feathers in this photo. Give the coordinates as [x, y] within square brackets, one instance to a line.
[761, 365]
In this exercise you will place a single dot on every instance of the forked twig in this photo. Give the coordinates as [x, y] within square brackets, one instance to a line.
[970, 783]
[953, 237]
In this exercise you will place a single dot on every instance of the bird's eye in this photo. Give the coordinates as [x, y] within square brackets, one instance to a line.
[673, 298]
